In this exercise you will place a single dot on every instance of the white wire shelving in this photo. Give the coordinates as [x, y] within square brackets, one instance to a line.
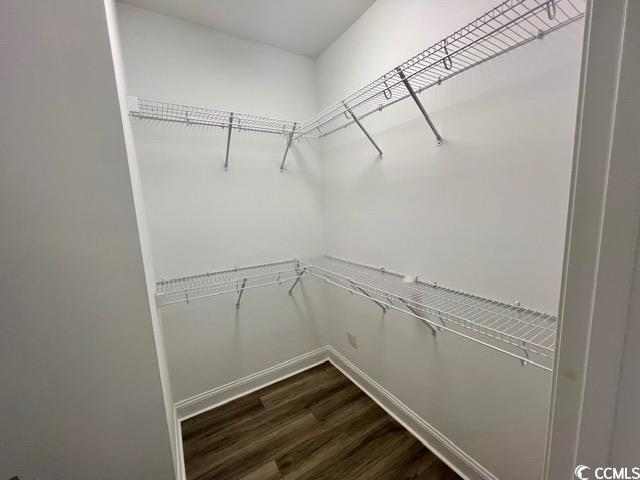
[509, 328]
[192, 115]
[143, 109]
[519, 332]
[233, 280]
[510, 25]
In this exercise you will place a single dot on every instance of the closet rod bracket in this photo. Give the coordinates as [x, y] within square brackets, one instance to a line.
[412, 92]
[289, 140]
[357, 120]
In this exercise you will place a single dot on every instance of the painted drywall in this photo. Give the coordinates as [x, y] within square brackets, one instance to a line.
[486, 403]
[200, 216]
[484, 213]
[145, 241]
[226, 343]
[601, 246]
[203, 218]
[81, 389]
[625, 444]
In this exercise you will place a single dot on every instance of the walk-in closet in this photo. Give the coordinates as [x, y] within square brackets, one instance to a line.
[411, 230]
[359, 227]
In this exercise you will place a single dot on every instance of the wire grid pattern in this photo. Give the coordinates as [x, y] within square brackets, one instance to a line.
[225, 281]
[509, 25]
[531, 331]
[190, 115]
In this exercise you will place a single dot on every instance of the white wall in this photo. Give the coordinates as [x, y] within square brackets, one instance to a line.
[625, 150]
[591, 374]
[484, 213]
[625, 444]
[211, 343]
[81, 390]
[141, 218]
[485, 402]
[202, 218]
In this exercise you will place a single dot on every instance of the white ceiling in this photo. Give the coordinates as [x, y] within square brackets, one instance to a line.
[306, 27]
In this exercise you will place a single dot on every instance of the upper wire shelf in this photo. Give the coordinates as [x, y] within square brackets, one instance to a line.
[233, 280]
[191, 115]
[519, 332]
[511, 24]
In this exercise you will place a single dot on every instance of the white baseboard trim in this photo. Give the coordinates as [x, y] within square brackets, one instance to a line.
[217, 396]
[439, 444]
[435, 441]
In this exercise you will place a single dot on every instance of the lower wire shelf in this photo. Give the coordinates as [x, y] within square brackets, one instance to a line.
[511, 329]
[519, 332]
[233, 280]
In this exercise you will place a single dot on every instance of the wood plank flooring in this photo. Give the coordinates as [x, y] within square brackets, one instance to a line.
[315, 425]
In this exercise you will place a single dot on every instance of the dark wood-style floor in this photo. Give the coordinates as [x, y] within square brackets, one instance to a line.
[315, 425]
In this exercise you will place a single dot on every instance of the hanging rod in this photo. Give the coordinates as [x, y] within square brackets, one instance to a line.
[511, 24]
[522, 333]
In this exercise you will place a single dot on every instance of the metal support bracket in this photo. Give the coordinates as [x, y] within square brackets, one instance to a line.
[357, 120]
[383, 307]
[302, 272]
[284, 158]
[244, 282]
[419, 104]
[524, 362]
[226, 158]
[417, 314]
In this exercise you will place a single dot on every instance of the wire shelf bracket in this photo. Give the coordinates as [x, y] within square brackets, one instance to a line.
[244, 283]
[289, 140]
[382, 306]
[297, 280]
[226, 157]
[412, 92]
[419, 315]
[348, 113]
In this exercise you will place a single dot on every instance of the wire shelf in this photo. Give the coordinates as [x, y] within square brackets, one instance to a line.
[522, 333]
[191, 115]
[511, 24]
[234, 280]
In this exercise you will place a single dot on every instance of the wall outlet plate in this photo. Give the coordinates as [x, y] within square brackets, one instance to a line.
[353, 341]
